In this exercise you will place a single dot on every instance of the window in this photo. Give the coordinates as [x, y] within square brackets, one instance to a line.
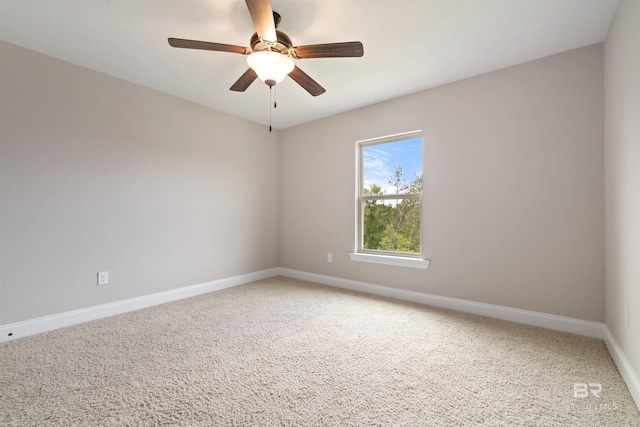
[389, 210]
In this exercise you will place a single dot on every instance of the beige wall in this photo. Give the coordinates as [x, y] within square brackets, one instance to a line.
[98, 174]
[513, 187]
[622, 178]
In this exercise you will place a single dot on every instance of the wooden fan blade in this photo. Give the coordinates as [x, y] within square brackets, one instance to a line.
[218, 47]
[244, 81]
[330, 50]
[306, 82]
[262, 16]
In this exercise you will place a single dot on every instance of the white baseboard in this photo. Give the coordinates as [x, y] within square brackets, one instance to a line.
[629, 375]
[60, 320]
[533, 318]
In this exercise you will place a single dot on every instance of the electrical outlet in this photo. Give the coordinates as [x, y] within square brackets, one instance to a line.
[103, 278]
[329, 257]
[626, 315]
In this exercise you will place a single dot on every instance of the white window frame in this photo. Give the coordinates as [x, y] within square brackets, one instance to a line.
[403, 259]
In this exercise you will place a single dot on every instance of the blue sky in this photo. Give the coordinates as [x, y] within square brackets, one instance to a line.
[379, 161]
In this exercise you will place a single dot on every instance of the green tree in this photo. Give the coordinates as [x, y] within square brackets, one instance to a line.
[376, 217]
[393, 227]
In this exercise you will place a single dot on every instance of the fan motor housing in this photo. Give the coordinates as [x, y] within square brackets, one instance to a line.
[283, 44]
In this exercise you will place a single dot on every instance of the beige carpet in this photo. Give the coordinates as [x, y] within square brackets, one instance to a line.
[282, 352]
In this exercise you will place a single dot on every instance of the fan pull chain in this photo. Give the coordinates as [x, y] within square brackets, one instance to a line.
[270, 87]
[275, 102]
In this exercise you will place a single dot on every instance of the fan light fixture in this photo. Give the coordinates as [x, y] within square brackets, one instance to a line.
[271, 52]
[271, 67]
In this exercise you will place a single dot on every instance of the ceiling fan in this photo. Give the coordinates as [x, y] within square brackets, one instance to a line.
[271, 52]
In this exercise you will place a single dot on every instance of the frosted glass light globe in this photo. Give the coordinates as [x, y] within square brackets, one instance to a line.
[271, 67]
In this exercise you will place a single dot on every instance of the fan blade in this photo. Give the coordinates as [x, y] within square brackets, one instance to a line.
[262, 16]
[330, 50]
[244, 81]
[306, 82]
[218, 47]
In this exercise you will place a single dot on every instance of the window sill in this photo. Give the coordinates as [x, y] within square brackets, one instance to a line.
[391, 260]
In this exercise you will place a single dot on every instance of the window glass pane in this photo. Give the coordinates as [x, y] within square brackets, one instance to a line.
[391, 225]
[393, 167]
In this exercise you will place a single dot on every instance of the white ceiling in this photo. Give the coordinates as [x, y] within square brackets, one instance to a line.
[408, 45]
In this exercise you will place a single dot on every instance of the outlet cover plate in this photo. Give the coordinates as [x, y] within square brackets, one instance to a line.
[626, 315]
[103, 278]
